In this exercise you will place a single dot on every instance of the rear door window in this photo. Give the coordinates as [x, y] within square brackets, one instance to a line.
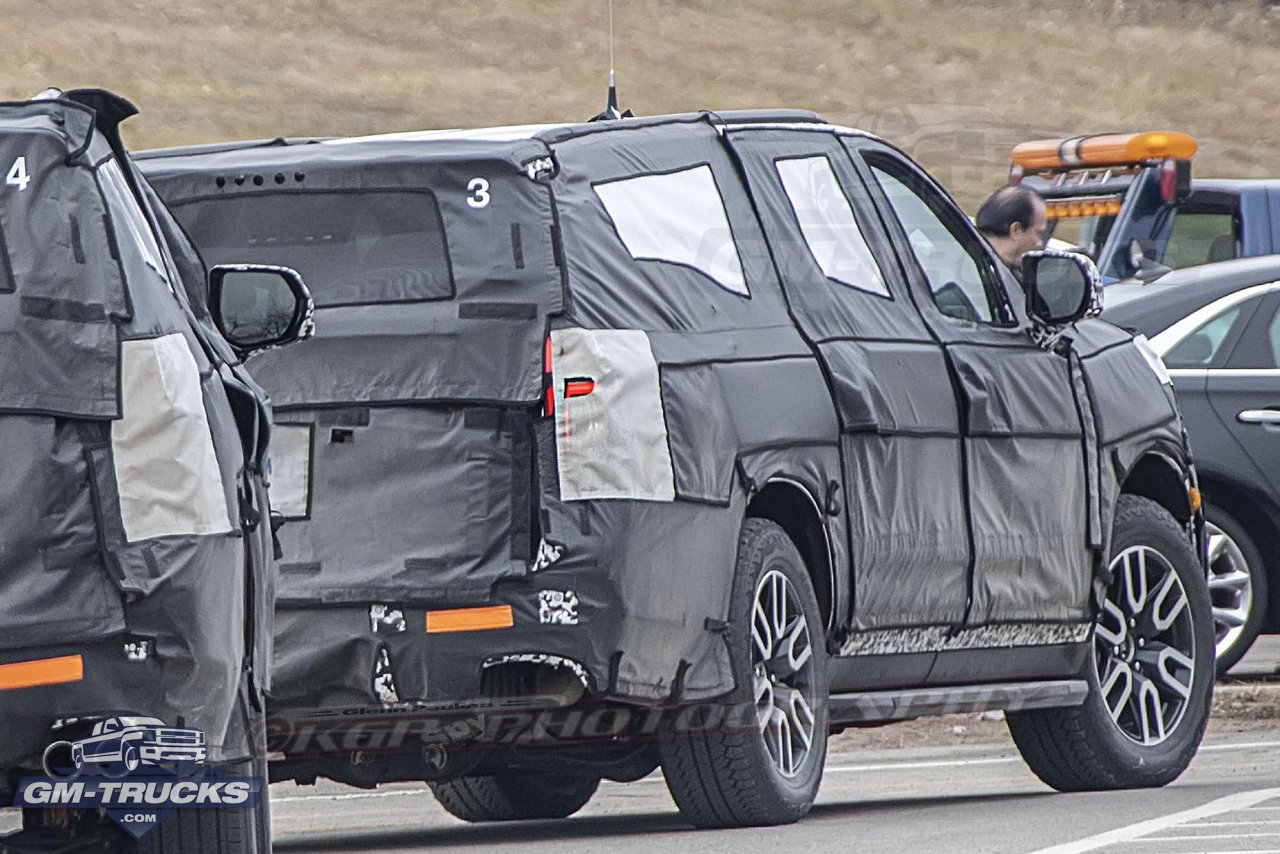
[1201, 237]
[352, 248]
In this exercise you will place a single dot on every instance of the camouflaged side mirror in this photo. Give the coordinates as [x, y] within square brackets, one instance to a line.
[257, 306]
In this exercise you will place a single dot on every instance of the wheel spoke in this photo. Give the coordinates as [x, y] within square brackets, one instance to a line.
[1218, 543]
[1150, 711]
[762, 631]
[1112, 628]
[1170, 601]
[1135, 581]
[1117, 688]
[1232, 618]
[1173, 670]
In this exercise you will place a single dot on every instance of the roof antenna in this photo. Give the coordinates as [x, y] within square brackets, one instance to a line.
[611, 112]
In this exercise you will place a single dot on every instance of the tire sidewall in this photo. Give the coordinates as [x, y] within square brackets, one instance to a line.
[1138, 523]
[764, 546]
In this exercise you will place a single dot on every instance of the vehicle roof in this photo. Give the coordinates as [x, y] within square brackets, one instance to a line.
[1152, 308]
[514, 143]
[1234, 183]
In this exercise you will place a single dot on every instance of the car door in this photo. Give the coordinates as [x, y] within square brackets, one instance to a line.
[900, 441]
[1245, 391]
[1024, 463]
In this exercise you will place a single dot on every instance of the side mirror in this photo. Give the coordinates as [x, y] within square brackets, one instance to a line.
[1061, 287]
[1142, 260]
[256, 306]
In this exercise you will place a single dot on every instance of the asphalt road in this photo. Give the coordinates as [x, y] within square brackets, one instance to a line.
[943, 800]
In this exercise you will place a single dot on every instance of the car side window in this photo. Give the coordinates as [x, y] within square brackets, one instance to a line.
[960, 276]
[1202, 347]
[1201, 237]
[1259, 341]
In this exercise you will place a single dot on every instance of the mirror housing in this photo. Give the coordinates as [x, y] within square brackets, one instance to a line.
[1142, 260]
[258, 306]
[1061, 287]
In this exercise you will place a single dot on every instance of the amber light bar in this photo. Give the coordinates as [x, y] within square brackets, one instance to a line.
[1108, 149]
[470, 619]
[41, 671]
[1083, 206]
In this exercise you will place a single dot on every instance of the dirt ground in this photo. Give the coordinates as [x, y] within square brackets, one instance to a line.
[1237, 707]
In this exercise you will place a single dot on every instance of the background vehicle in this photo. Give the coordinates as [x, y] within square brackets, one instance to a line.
[726, 417]
[135, 577]
[1218, 331]
[1111, 190]
[131, 742]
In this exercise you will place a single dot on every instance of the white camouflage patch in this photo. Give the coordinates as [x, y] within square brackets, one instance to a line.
[548, 553]
[558, 607]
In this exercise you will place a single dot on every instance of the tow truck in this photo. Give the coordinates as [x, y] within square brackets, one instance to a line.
[1130, 203]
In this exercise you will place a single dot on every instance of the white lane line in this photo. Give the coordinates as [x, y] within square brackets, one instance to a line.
[1243, 745]
[1193, 839]
[1253, 823]
[1240, 800]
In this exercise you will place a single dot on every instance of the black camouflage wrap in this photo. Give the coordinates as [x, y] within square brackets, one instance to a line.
[910, 439]
[97, 277]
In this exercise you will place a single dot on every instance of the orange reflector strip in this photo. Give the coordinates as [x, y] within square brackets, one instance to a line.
[42, 671]
[1194, 495]
[470, 619]
[578, 388]
[1108, 149]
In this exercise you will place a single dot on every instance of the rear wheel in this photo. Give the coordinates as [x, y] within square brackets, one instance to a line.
[762, 762]
[1237, 587]
[1150, 675]
[515, 796]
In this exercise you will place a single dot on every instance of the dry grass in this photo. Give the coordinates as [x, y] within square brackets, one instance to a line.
[944, 78]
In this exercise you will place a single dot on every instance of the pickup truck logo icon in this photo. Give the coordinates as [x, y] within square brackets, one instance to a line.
[128, 742]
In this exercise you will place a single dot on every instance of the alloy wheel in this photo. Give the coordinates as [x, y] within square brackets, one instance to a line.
[782, 664]
[1230, 588]
[1144, 646]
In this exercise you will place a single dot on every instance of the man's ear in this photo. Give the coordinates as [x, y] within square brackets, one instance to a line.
[1016, 229]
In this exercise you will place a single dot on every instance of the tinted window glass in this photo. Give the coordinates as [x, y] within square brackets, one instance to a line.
[1201, 347]
[827, 222]
[1273, 339]
[954, 275]
[351, 248]
[1200, 238]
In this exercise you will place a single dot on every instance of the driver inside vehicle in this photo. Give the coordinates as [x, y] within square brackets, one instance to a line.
[1013, 221]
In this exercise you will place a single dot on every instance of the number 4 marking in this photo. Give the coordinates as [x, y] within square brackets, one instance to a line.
[18, 176]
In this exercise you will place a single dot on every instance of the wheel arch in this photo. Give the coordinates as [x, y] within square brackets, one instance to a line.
[796, 510]
[1159, 477]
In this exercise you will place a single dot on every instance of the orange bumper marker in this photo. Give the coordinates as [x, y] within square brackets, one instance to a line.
[470, 619]
[42, 671]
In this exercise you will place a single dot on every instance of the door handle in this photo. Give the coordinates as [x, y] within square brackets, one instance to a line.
[1259, 416]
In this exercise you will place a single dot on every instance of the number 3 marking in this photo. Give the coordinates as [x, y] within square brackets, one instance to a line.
[479, 190]
[18, 176]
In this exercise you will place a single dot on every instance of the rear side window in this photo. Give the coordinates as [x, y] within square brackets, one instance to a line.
[1200, 238]
[827, 222]
[353, 248]
[679, 218]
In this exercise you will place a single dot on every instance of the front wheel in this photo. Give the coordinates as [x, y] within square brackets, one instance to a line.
[1151, 673]
[761, 762]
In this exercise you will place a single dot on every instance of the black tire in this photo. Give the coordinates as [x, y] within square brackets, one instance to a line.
[1228, 557]
[514, 796]
[1084, 748]
[207, 831]
[724, 775]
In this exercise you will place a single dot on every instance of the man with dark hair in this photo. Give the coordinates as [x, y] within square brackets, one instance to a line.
[1013, 221]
